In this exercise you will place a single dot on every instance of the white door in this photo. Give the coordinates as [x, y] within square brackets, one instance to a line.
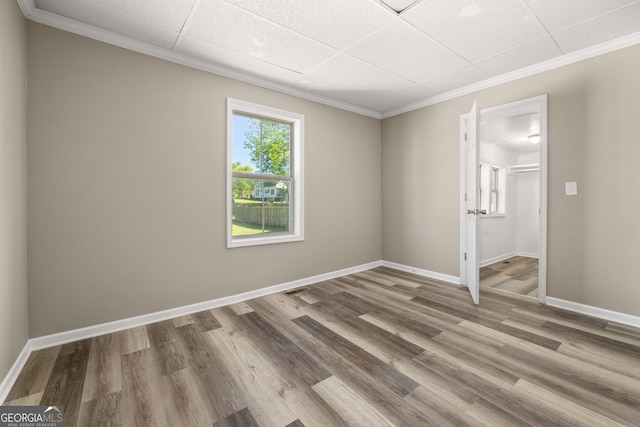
[470, 271]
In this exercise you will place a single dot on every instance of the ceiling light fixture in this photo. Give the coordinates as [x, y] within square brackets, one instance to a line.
[535, 138]
[399, 6]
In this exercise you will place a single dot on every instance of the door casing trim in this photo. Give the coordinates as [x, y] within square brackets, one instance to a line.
[540, 104]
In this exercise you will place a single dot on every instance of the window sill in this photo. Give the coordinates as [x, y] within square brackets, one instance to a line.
[262, 240]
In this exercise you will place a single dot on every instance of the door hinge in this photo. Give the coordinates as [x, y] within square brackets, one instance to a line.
[465, 197]
[465, 256]
[465, 136]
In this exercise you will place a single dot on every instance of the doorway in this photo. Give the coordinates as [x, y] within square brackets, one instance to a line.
[508, 234]
[509, 239]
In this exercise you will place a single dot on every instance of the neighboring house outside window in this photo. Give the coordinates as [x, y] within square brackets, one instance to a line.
[264, 175]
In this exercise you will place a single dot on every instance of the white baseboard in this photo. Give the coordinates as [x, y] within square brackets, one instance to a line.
[601, 313]
[12, 375]
[528, 255]
[132, 322]
[65, 337]
[499, 258]
[420, 272]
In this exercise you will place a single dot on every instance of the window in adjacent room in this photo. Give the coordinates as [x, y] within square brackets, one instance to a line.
[492, 189]
[264, 175]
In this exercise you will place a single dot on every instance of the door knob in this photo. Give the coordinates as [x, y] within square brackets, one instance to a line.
[483, 211]
[471, 211]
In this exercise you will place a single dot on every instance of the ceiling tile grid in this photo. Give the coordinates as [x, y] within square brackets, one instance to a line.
[523, 56]
[601, 29]
[358, 52]
[100, 16]
[402, 98]
[476, 30]
[319, 20]
[235, 61]
[170, 14]
[225, 25]
[405, 51]
[455, 79]
[345, 73]
[559, 15]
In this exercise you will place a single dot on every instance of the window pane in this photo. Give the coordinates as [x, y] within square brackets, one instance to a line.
[276, 143]
[485, 186]
[264, 145]
[494, 189]
[265, 209]
[241, 155]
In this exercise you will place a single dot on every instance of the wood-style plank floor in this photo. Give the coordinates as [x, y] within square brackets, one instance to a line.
[517, 274]
[377, 348]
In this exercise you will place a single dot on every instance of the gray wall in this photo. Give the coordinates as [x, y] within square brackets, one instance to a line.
[126, 186]
[13, 239]
[593, 139]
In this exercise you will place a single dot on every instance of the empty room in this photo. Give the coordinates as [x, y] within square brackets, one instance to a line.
[319, 213]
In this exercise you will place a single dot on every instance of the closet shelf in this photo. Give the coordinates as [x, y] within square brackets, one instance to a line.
[523, 168]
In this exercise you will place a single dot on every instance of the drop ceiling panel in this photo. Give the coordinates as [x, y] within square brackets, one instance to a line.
[455, 79]
[170, 14]
[235, 61]
[558, 15]
[520, 57]
[402, 98]
[319, 20]
[111, 20]
[344, 74]
[356, 52]
[599, 30]
[224, 25]
[479, 29]
[363, 99]
[405, 51]
[399, 5]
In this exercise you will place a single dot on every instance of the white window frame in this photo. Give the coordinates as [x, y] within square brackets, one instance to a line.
[495, 183]
[296, 202]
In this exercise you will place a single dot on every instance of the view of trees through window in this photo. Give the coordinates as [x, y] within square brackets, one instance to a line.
[261, 175]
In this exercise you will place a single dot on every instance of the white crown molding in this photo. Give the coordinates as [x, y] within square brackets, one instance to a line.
[43, 17]
[561, 61]
[601, 313]
[32, 13]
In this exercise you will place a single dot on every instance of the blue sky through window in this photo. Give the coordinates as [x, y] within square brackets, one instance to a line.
[239, 152]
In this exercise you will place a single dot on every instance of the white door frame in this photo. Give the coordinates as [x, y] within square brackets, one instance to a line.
[540, 104]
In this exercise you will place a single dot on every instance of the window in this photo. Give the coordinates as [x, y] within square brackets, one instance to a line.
[264, 175]
[492, 189]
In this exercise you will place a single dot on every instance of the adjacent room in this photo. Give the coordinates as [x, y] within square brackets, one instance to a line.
[226, 212]
[509, 182]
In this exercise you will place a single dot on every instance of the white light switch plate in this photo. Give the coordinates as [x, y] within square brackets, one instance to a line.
[570, 188]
